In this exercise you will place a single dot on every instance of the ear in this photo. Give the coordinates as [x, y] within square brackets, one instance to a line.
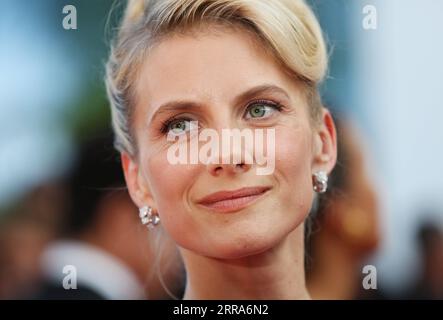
[137, 185]
[325, 144]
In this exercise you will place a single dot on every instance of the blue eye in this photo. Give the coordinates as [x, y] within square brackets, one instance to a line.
[176, 126]
[179, 126]
[261, 110]
[257, 111]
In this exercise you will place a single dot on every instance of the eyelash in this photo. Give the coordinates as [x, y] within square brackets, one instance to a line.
[277, 106]
[165, 124]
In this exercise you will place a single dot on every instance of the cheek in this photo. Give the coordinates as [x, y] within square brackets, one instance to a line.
[240, 234]
[293, 169]
[169, 185]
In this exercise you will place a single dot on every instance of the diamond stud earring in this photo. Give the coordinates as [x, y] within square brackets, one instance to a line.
[320, 181]
[148, 218]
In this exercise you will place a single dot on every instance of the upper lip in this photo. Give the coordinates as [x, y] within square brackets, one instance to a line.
[226, 195]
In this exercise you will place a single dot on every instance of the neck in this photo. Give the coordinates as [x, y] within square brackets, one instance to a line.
[277, 273]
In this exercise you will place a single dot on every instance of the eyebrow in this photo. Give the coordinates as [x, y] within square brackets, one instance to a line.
[181, 105]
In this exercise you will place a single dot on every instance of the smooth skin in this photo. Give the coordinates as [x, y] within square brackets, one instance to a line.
[257, 252]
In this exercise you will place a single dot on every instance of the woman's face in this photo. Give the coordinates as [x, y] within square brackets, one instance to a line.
[211, 73]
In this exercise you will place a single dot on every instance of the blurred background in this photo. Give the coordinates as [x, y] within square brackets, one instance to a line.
[384, 81]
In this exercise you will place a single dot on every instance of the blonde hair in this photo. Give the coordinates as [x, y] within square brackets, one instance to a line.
[288, 29]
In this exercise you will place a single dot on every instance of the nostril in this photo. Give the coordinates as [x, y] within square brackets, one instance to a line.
[241, 166]
[217, 169]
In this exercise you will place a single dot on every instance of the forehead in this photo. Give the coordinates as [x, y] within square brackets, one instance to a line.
[207, 66]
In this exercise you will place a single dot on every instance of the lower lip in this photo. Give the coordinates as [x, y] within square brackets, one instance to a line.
[233, 205]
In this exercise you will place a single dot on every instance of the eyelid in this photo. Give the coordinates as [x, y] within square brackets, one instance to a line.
[264, 101]
[273, 104]
[165, 124]
[186, 116]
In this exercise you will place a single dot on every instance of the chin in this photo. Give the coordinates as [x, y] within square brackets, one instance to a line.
[241, 246]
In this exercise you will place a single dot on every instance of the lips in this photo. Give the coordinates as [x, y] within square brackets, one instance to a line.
[231, 201]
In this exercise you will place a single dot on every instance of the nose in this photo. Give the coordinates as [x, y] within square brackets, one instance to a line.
[219, 169]
[234, 152]
[228, 166]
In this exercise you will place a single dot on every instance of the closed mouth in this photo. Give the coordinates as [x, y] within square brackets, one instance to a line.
[231, 201]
